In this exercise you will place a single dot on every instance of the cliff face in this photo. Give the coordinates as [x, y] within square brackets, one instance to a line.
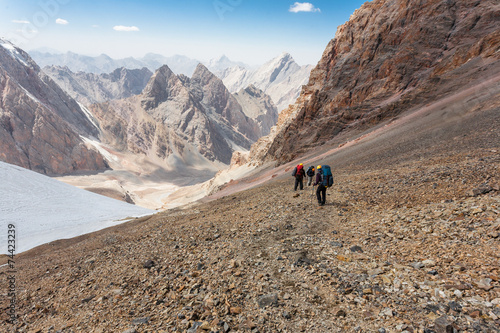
[40, 125]
[389, 57]
[259, 107]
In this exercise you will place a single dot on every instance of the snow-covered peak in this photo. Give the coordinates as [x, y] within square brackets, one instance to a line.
[13, 51]
[222, 63]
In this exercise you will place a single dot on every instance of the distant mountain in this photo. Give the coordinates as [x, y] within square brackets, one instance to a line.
[41, 127]
[89, 88]
[183, 122]
[222, 63]
[258, 106]
[105, 64]
[281, 78]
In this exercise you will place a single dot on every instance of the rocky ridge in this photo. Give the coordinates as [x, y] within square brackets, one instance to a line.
[89, 88]
[104, 64]
[388, 58]
[40, 125]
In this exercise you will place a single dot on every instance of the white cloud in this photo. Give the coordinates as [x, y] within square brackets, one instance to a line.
[303, 7]
[124, 28]
[62, 21]
[95, 26]
[21, 21]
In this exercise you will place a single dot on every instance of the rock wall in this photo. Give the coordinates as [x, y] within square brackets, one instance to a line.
[389, 57]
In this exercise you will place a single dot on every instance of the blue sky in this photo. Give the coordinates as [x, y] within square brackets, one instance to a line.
[252, 31]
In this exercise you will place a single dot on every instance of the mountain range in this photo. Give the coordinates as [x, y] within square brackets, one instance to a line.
[176, 121]
[281, 78]
[103, 63]
[184, 122]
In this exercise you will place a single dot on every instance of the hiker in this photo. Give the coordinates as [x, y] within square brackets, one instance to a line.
[324, 179]
[299, 173]
[310, 174]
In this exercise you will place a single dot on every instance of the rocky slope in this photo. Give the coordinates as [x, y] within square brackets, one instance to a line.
[89, 88]
[183, 122]
[390, 57]
[281, 78]
[409, 241]
[40, 125]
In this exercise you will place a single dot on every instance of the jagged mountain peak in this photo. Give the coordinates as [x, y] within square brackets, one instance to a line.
[203, 76]
[252, 90]
[158, 87]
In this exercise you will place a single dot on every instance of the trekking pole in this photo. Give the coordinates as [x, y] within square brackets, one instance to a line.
[312, 194]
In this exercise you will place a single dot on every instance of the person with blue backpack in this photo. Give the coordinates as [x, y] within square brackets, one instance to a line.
[324, 179]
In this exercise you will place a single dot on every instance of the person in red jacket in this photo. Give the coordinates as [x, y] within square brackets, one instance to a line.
[299, 174]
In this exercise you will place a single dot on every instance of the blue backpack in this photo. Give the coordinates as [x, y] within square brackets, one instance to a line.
[326, 176]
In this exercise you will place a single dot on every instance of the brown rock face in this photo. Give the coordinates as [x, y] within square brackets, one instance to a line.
[390, 57]
[40, 125]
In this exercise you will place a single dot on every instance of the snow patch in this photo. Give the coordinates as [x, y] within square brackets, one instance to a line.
[9, 47]
[100, 148]
[44, 209]
[89, 115]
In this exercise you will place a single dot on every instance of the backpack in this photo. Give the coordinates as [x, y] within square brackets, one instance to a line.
[294, 172]
[326, 176]
[310, 171]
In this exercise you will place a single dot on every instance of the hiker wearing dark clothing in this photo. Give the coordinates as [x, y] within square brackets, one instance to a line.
[310, 174]
[324, 179]
[299, 173]
[321, 190]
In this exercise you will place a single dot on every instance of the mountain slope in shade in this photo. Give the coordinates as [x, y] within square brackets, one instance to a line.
[281, 78]
[89, 88]
[259, 107]
[390, 57]
[40, 125]
[44, 210]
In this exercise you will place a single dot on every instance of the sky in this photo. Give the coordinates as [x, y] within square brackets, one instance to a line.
[251, 31]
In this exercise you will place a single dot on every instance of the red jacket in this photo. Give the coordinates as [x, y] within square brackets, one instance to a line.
[300, 172]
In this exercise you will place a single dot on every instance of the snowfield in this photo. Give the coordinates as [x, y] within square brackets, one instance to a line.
[43, 209]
